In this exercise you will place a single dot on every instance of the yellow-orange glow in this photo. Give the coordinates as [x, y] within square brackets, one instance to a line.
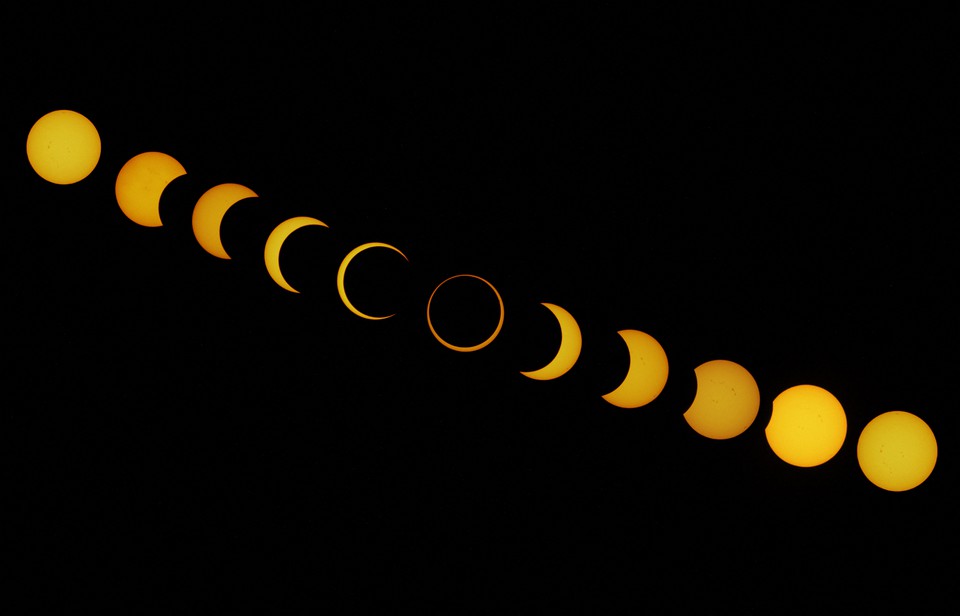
[807, 426]
[208, 215]
[63, 147]
[271, 252]
[569, 351]
[476, 347]
[647, 374]
[897, 451]
[727, 400]
[342, 272]
[141, 182]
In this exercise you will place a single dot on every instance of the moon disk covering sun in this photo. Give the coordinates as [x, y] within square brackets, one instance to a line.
[342, 272]
[571, 342]
[726, 402]
[141, 181]
[897, 451]
[208, 215]
[476, 347]
[807, 426]
[63, 147]
[646, 375]
[271, 252]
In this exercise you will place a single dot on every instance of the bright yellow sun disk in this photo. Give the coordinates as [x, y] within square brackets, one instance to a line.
[897, 451]
[807, 426]
[63, 147]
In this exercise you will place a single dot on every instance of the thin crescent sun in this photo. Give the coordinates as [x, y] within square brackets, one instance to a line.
[571, 342]
[271, 252]
[209, 211]
[476, 347]
[341, 273]
[647, 375]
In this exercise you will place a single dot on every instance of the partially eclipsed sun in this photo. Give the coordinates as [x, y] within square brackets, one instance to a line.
[209, 211]
[727, 400]
[271, 252]
[342, 272]
[569, 351]
[646, 375]
[807, 426]
[141, 182]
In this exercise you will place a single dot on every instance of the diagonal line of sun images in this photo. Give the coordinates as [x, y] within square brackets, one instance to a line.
[896, 450]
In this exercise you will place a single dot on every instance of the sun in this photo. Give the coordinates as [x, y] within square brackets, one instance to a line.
[807, 425]
[897, 451]
[140, 184]
[471, 348]
[646, 373]
[63, 147]
[726, 402]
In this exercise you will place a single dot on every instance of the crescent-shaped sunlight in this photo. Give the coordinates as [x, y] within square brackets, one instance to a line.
[476, 347]
[271, 251]
[571, 341]
[647, 374]
[342, 271]
[209, 211]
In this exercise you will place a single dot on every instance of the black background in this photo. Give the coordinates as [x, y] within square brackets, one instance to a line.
[776, 189]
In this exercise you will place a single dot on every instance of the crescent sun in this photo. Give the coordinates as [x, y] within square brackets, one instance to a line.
[646, 375]
[571, 342]
[476, 347]
[341, 273]
[271, 252]
[209, 211]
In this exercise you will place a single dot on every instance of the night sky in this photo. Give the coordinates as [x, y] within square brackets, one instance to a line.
[773, 189]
